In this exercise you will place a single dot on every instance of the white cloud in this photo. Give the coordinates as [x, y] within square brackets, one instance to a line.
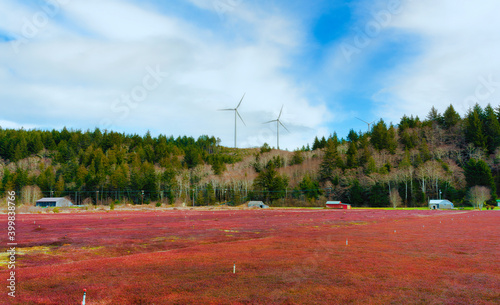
[459, 50]
[76, 77]
[14, 125]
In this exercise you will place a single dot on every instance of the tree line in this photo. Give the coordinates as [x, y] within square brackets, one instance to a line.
[442, 156]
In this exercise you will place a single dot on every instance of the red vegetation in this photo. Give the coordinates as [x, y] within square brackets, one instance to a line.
[281, 256]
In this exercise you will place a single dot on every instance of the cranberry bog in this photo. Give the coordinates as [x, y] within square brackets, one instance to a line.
[271, 256]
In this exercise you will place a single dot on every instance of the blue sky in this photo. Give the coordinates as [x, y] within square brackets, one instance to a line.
[168, 66]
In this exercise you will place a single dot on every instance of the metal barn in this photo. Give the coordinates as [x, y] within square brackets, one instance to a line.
[53, 202]
[441, 205]
[338, 205]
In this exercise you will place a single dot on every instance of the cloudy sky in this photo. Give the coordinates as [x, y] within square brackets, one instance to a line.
[168, 66]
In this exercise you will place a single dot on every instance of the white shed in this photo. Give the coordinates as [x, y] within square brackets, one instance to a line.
[53, 202]
[441, 204]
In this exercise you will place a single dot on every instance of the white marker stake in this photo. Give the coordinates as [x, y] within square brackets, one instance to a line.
[84, 294]
[394, 231]
[234, 268]
[346, 242]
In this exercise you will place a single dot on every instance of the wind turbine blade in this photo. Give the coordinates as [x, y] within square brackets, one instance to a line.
[363, 121]
[241, 101]
[284, 126]
[280, 112]
[225, 109]
[270, 122]
[240, 117]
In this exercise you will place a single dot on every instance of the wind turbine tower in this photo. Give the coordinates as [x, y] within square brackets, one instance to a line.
[278, 123]
[236, 115]
[369, 124]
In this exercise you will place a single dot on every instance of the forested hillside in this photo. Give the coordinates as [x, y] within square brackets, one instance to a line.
[392, 165]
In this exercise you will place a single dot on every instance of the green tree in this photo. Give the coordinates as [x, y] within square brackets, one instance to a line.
[491, 129]
[434, 115]
[21, 150]
[316, 144]
[425, 153]
[353, 136]
[352, 156]
[450, 117]
[391, 142]
[310, 188]
[271, 182]
[265, 148]
[379, 195]
[169, 183]
[297, 158]
[330, 162]
[474, 127]
[36, 144]
[478, 173]
[193, 157]
[356, 194]
[59, 187]
[379, 135]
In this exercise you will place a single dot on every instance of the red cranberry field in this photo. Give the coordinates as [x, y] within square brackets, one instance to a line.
[256, 257]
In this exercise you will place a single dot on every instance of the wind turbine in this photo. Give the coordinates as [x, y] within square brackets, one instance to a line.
[236, 114]
[278, 123]
[369, 124]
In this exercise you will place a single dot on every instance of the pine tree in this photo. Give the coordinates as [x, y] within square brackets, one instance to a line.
[60, 187]
[316, 144]
[366, 153]
[425, 153]
[352, 156]
[271, 182]
[353, 136]
[474, 127]
[81, 173]
[21, 150]
[391, 142]
[434, 115]
[491, 129]
[477, 172]
[450, 117]
[310, 188]
[36, 144]
[331, 161]
[379, 135]
[323, 142]
[371, 166]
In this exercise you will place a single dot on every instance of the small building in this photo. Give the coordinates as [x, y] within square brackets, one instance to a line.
[53, 202]
[338, 205]
[441, 204]
[257, 204]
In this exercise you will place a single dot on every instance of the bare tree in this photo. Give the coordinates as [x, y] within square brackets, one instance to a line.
[395, 199]
[30, 194]
[478, 195]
